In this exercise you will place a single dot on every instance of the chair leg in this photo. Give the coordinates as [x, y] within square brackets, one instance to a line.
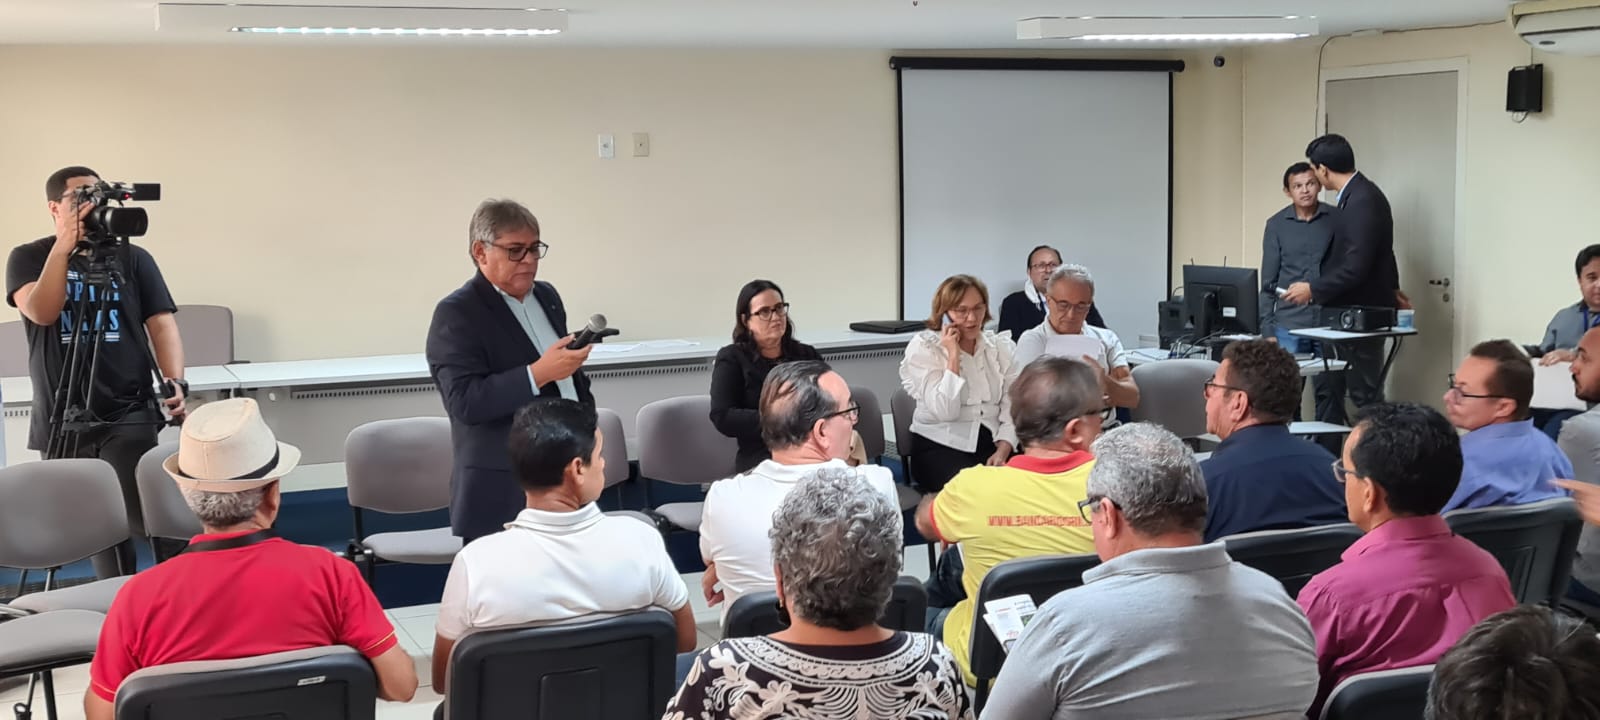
[933, 559]
[22, 581]
[49, 696]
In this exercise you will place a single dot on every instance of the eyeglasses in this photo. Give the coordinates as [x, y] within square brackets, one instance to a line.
[1073, 308]
[1456, 390]
[1340, 472]
[1105, 414]
[772, 312]
[1212, 383]
[516, 253]
[852, 413]
[1086, 505]
[1044, 266]
[968, 311]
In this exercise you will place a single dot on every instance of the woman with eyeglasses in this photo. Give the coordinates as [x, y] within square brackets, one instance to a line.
[763, 338]
[960, 376]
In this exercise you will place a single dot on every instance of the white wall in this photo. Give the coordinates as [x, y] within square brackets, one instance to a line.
[324, 193]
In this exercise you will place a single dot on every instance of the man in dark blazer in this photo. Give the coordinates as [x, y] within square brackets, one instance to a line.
[1359, 269]
[494, 345]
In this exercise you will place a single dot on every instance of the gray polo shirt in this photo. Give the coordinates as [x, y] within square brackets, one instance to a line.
[1163, 633]
[1291, 251]
[1568, 327]
[1580, 441]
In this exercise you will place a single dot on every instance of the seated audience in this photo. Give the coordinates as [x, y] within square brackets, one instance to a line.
[1561, 336]
[238, 590]
[1526, 663]
[1166, 627]
[561, 558]
[1580, 441]
[1407, 590]
[806, 419]
[1506, 461]
[1070, 292]
[1261, 477]
[1025, 308]
[958, 374]
[835, 549]
[1057, 410]
[763, 337]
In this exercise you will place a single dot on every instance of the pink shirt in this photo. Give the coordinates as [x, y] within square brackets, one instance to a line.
[1402, 595]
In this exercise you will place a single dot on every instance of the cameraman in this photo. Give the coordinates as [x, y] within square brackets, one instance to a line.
[41, 277]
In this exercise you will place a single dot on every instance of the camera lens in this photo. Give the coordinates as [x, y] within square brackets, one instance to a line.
[117, 221]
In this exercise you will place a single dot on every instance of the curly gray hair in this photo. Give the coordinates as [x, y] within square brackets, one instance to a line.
[225, 510]
[1152, 477]
[836, 543]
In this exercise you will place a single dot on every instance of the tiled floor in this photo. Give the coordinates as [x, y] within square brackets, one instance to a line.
[414, 627]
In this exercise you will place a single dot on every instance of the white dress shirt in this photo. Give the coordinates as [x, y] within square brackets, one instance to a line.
[952, 407]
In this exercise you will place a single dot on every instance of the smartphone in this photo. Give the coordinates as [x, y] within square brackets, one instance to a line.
[947, 321]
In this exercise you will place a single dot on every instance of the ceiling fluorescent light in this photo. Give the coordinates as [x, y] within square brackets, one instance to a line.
[359, 21]
[1165, 30]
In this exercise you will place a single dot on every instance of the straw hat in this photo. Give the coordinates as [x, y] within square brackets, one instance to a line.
[226, 447]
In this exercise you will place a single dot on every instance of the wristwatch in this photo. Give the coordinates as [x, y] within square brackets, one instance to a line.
[182, 385]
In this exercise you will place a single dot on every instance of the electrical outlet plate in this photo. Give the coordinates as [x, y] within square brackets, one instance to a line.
[641, 144]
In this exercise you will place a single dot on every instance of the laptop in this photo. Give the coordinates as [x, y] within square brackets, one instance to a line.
[887, 327]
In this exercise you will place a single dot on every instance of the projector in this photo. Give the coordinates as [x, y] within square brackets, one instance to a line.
[1359, 318]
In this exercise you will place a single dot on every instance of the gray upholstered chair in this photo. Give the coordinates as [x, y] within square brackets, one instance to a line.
[615, 448]
[57, 512]
[606, 669]
[325, 683]
[902, 407]
[1172, 395]
[399, 467]
[1534, 542]
[207, 332]
[679, 445]
[1294, 556]
[13, 349]
[35, 645]
[166, 514]
[1400, 694]
[870, 422]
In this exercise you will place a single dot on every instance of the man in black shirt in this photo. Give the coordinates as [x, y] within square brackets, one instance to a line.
[42, 278]
[1024, 309]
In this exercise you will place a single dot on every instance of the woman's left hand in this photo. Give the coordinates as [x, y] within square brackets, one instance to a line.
[1002, 453]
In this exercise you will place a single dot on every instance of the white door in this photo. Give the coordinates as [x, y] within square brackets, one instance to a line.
[1403, 129]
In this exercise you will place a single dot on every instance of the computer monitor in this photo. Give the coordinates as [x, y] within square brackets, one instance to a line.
[1221, 300]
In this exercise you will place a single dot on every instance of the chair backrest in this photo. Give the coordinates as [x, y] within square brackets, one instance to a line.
[609, 669]
[1535, 543]
[1037, 577]
[207, 332]
[902, 406]
[679, 445]
[55, 512]
[399, 466]
[1172, 394]
[614, 449]
[870, 422]
[166, 515]
[1293, 556]
[13, 349]
[329, 683]
[756, 613]
[1384, 695]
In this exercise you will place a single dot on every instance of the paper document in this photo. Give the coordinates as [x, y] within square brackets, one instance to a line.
[1008, 617]
[1074, 347]
[608, 349]
[1553, 390]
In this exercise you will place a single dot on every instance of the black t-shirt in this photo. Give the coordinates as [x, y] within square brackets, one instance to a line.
[124, 374]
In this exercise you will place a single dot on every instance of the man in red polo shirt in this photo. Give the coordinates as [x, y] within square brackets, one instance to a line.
[239, 590]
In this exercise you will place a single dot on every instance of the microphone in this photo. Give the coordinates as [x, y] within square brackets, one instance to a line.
[593, 333]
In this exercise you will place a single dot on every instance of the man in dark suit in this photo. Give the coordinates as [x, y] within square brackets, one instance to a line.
[494, 345]
[1359, 269]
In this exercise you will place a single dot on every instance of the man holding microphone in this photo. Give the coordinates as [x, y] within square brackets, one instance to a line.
[495, 344]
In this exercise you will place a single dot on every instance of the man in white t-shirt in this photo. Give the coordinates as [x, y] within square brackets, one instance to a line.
[561, 558]
[1070, 292]
[806, 420]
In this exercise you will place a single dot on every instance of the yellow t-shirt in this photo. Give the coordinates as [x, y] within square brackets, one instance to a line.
[1027, 508]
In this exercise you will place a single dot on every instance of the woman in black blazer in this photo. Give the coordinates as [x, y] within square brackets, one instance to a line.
[763, 338]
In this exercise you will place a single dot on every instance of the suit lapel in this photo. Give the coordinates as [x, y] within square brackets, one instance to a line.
[497, 308]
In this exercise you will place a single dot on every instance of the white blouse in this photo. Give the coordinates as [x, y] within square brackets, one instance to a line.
[951, 408]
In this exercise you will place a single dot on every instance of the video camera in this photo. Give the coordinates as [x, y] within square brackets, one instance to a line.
[106, 224]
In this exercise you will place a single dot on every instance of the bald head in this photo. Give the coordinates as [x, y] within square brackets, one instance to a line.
[795, 397]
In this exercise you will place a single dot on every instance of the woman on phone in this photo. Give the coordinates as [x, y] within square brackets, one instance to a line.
[960, 376]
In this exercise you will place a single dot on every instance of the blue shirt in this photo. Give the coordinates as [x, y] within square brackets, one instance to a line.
[530, 315]
[1508, 464]
[1263, 478]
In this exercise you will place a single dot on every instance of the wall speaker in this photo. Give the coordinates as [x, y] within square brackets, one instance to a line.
[1525, 89]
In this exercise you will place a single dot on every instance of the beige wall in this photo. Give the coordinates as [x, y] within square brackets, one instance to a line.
[1526, 185]
[324, 193]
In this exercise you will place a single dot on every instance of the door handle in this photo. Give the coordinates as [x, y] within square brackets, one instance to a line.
[1445, 282]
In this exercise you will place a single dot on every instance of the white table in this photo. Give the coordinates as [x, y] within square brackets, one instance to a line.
[1330, 336]
[1308, 368]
